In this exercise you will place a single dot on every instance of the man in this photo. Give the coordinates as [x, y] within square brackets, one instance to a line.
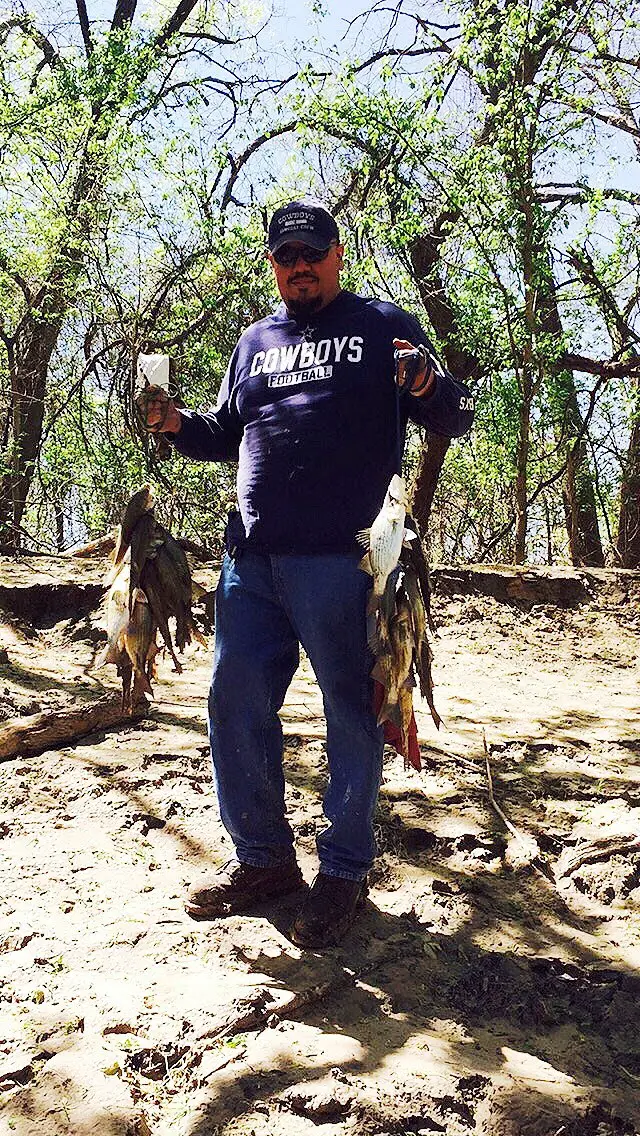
[310, 409]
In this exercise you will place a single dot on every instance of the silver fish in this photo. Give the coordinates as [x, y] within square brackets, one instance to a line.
[140, 645]
[117, 615]
[383, 541]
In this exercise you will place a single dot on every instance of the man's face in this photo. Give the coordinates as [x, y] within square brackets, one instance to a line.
[306, 287]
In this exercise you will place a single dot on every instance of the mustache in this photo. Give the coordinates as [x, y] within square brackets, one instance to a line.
[303, 276]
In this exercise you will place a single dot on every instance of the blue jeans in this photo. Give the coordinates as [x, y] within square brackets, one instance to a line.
[266, 606]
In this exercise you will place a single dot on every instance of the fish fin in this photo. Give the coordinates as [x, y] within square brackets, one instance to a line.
[365, 564]
[141, 683]
[107, 655]
[384, 714]
[363, 537]
[392, 713]
[197, 634]
[119, 548]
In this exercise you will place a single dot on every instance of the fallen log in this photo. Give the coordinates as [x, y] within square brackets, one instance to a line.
[104, 545]
[26, 737]
[101, 546]
[198, 550]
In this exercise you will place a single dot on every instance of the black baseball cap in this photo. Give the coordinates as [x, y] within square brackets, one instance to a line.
[306, 221]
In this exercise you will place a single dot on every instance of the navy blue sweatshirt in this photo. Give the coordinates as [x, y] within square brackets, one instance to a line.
[310, 410]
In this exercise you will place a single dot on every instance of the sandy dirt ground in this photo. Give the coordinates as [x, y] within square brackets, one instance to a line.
[480, 993]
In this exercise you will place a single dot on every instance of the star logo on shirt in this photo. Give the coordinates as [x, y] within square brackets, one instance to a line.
[308, 333]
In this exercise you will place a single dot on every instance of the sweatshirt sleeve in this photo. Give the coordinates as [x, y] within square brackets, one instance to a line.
[449, 408]
[212, 435]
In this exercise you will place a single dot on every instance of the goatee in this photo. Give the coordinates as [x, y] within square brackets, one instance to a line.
[303, 308]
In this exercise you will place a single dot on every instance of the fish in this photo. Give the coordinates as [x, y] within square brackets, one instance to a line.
[401, 656]
[140, 644]
[174, 579]
[145, 542]
[139, 504]
[117, 616]
[413, 578]
[150, 585]
[130, 638]
[383, 541]
[412, 555]
[398, 620]
[161, 609]
[379, 619]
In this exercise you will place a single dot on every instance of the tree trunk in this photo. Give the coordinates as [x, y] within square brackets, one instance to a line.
[28, 388]
[424, 254]
[431, 462]
[628, 543]
[51, 729]
[34, 343]
[59, 516]
[578, 494]
[522, 459]
[578, 497]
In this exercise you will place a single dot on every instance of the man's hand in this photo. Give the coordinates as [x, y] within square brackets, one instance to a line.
[421, 381]
[158, 412]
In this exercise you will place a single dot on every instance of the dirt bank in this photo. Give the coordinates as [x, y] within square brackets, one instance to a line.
[478, 994]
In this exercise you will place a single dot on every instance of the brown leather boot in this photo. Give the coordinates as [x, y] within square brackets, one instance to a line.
[237, 887]
[328, 911]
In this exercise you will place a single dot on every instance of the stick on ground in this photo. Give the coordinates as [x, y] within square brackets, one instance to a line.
[529, 852]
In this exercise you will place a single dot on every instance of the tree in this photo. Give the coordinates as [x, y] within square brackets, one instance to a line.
[451, 193]
[73, 116]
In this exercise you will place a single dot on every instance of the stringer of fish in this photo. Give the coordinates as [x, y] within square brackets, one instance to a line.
[150, 584]
[398, 613]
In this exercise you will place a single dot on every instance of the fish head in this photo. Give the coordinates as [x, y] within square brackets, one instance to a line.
[137, 505]
[397, 493]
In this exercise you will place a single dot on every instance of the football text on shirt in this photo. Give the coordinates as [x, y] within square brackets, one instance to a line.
[312, 360]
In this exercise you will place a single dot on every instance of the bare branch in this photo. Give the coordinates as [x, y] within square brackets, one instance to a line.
[621, 335]
[618, 121]
[607, 368]
[181, 337]
[221, 41]
[49, 52]
[607, 55]
[398, 52]
[581, 195]
[238, 163]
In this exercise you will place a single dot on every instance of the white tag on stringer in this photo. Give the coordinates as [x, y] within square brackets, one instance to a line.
[154, 370]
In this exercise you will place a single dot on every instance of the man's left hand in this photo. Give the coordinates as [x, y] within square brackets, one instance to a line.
[425, 377]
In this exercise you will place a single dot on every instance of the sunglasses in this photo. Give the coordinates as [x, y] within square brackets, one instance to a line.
[288, 255]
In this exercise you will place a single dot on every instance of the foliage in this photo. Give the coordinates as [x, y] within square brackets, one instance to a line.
[475, 170]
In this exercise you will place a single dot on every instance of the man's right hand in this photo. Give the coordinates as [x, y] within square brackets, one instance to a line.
[158, 412]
